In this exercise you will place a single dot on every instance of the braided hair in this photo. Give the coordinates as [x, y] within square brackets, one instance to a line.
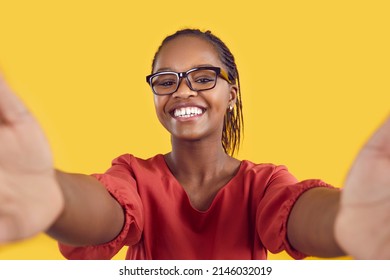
[233, 121]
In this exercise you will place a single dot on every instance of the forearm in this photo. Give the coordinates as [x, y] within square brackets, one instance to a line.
[90, 216]
[310, 226]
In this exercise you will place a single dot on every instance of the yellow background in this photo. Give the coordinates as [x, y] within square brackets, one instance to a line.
[314, 75]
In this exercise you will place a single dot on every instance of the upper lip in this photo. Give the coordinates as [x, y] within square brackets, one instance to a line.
[185, 105]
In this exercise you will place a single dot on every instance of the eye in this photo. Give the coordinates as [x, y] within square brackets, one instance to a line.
[204, 80]
[164, 81]
[203, 76]
[166, 84]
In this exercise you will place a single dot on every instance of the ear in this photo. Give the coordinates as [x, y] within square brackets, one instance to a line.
[233, 95]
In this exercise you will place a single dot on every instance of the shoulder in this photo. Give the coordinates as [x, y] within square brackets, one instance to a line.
[132, 161]
[264, 176]
[268, 170]
[128, 165]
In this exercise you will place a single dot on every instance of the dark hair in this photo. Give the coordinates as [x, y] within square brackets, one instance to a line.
[234, 122]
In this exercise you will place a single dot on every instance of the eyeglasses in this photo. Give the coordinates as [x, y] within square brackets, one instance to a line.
[198, 79]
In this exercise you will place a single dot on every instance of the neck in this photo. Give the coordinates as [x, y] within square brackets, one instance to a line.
[197, 160]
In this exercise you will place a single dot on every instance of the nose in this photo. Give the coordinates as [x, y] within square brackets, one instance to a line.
[184, 90]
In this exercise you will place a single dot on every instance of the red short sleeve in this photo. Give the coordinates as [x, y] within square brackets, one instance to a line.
[275, 206]
[119, 181]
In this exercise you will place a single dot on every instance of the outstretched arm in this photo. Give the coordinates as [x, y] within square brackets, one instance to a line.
[354, 221]
[73, 208]
[91, 215]
[311, 222]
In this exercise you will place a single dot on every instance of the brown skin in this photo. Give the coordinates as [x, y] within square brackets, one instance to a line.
[311, 222]
[94, 215]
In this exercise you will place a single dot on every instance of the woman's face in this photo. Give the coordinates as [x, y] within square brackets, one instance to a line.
[207, 108]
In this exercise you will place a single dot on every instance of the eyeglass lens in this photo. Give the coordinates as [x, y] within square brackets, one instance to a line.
[168, 83]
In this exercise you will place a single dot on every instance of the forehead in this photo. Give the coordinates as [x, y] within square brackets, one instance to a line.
[186, 52]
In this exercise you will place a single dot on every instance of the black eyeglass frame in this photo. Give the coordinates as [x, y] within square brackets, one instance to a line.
[180, 75]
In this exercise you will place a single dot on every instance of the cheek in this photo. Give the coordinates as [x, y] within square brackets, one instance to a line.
[159, 105]
[220, 101]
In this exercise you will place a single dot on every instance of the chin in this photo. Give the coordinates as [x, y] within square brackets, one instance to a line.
[187, 137]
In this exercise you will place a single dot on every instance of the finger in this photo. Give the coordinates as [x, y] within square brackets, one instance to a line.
[380, 140]
[11, 107]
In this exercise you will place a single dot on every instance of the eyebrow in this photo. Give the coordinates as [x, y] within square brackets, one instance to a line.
[195, 66]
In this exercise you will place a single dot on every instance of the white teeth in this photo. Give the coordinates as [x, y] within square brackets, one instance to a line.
[187, 112]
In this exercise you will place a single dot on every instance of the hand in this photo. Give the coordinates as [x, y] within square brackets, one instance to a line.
[363, 224]
[30, 196]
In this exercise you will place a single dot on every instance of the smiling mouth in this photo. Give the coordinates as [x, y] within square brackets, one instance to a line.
[187, 112]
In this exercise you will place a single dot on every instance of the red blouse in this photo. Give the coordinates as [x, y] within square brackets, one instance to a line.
[247, 217]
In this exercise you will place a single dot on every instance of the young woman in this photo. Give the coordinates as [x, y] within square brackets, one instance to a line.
[198, 201]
